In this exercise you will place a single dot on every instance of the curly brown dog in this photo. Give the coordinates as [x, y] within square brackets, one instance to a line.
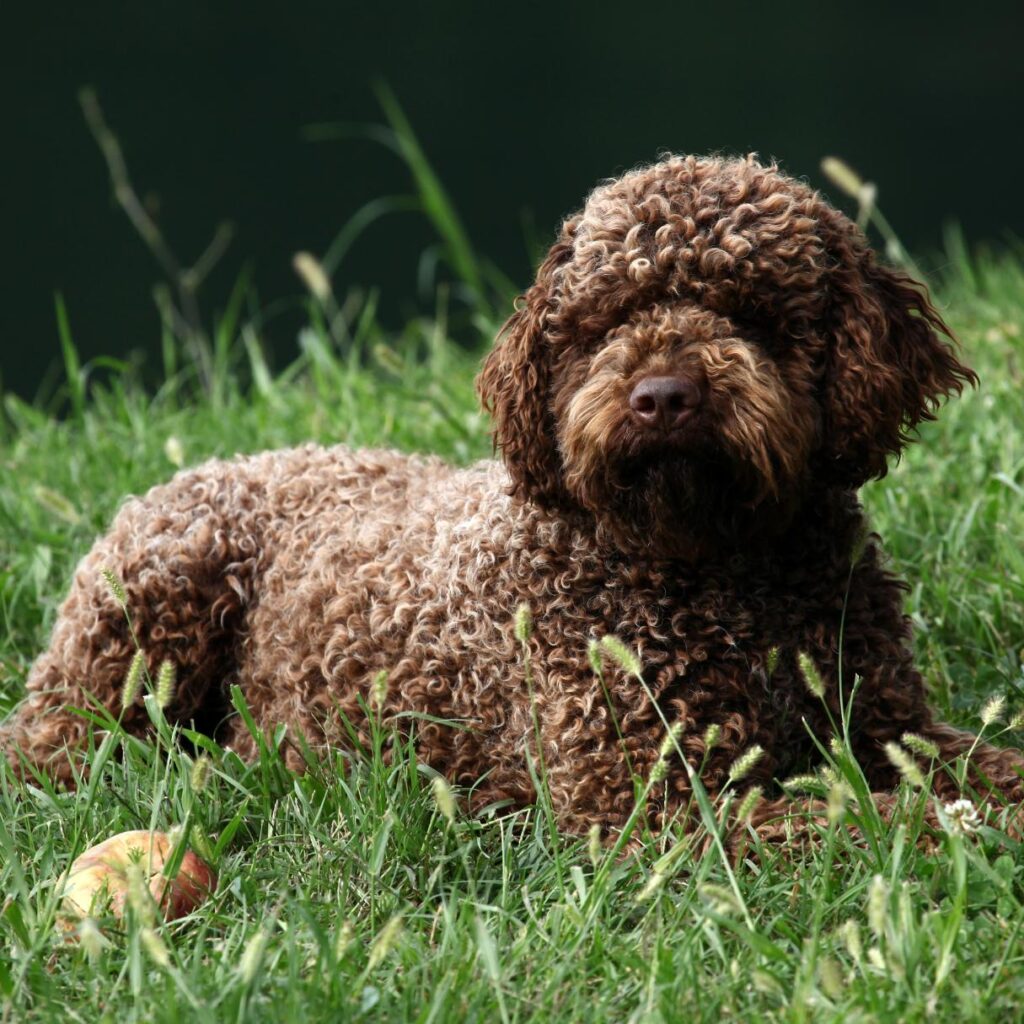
[709, 365]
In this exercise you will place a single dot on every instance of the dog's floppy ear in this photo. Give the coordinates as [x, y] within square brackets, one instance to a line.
[890, 360]
[515, 383]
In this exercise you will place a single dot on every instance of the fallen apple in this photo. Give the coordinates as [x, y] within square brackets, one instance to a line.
[98, 880]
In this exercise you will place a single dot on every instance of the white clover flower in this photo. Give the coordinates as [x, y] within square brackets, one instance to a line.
[963, 817]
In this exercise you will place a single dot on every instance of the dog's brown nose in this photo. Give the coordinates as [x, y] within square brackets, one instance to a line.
[664, 402]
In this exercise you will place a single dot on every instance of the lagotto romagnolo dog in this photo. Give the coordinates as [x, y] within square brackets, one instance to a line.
[710, 363]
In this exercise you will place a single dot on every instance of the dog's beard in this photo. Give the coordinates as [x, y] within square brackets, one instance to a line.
[689, 504]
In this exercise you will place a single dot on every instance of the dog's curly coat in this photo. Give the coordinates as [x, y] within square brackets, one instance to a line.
[709, 364]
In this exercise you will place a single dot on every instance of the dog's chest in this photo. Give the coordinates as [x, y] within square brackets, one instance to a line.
[713, 616]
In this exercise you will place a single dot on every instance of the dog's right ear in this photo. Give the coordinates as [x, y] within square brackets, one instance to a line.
[891, 360]
[515, 388]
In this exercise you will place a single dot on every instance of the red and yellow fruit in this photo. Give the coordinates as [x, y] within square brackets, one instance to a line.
[98, 881]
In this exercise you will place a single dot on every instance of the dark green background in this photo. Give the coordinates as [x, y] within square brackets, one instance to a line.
[521, 108]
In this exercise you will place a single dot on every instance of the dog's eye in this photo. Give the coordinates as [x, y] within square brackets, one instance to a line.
[756, 331]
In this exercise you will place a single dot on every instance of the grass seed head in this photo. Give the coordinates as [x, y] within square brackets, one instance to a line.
[91, 939]
[343, 939]
[843, 176]
[993, 710]
[749, 803]
[771, 661]
[626, 659]
[920, 745]
[200, 843]
[175, 834]
[55, 502]
[767, 985]
[838, 796]
[252, 956]
[878, 906]
[719, 899]
[174, 451]
[443, 798]
[133, 680]
[200, 774]
[594, 845]
[830, 975]
[712, 734]
[165, 680]
[850, 932]
[523, 626]
[385, 942]
[313, 275]
[115, 585]
[594, 657]
[140, 899]
[154, 946]
[907, 766]
[744, 764]
[812, 677]
[802, 784]
[671, 740]
[379, 690]
[651, 889]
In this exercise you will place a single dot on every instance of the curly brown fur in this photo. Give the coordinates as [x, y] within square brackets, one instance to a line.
[706, 533]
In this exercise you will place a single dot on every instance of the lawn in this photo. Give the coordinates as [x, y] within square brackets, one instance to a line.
[356, 891]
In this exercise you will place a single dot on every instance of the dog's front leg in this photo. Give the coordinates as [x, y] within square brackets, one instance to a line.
[883, 696]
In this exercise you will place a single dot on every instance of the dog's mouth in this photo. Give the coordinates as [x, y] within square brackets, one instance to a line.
[688, 437]
[679, 475]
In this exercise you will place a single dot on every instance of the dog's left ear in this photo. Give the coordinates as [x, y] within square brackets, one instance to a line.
[890, 360]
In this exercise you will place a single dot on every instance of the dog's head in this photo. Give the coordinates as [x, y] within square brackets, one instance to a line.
[705, 339]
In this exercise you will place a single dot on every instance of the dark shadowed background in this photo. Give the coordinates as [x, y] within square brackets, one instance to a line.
[521, 109]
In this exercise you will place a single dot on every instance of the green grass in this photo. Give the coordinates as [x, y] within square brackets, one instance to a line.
[349, 894]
